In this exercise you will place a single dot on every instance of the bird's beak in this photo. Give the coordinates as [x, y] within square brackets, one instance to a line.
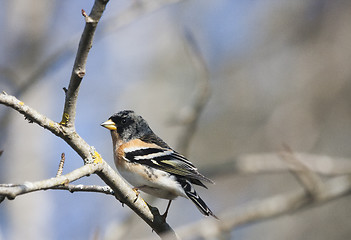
[109, 125]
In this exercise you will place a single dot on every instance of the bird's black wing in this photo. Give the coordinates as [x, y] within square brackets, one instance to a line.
[167, 160]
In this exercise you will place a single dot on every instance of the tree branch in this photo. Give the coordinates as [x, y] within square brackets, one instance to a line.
[272, 162]
[268, 208]
[78, 71]
[13, 190]
[86, 188]
[62, 163]
[30, 114]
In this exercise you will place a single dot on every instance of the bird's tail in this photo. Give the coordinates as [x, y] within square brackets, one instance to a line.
[193, 196]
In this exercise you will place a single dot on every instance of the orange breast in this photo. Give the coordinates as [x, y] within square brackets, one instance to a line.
[136, 143]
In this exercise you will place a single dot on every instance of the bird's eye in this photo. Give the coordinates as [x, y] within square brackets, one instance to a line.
[124, 121]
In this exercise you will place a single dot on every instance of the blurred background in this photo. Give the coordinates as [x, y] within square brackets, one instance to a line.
[279, 73]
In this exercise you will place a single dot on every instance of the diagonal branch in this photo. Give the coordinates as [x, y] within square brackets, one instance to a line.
[30, 114]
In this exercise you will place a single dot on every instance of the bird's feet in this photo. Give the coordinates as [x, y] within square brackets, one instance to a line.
[164, 216]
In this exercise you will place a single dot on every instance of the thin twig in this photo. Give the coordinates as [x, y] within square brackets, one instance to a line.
[62, 162]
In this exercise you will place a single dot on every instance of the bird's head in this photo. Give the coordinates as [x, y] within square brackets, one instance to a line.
[127, 124]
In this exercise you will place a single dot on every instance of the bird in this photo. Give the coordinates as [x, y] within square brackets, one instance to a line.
[150, 165]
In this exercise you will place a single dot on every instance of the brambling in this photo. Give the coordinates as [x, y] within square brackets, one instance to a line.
[150, 165]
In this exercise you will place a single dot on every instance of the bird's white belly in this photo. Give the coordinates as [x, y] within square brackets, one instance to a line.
[158, 183]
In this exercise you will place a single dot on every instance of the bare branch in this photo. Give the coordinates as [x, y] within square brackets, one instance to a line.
[13, 190]
[62, 162]
[269, 208]
[86, 188]
[56, 183]
[272, 162]
[78, 72]
[30, 114]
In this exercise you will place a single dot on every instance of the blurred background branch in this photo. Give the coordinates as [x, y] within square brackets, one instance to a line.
[268, 163]
[265, 209]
